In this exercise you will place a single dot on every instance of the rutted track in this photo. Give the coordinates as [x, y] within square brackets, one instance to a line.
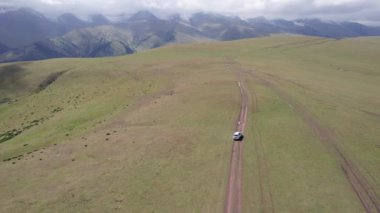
[264, 177]
[368, 198]
[234, 193]
[266, 203]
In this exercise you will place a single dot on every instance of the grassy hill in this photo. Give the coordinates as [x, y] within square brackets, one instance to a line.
[151, 132]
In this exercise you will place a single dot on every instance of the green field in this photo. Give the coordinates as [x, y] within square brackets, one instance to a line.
[151, 132]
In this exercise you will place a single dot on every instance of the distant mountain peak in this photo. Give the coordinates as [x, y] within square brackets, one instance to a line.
[198, 19]
[309, 20]
[68, 17]
[30, 11]
[142, 16]
[21, 11]
[99, 19]
[215, 16]
[259, 19]
[69, 21]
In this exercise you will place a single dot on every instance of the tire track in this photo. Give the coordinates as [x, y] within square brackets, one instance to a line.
[364, 191]
[233, 202]
[286, 46]
[264, 177]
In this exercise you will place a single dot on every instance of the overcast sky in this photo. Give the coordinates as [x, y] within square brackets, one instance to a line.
[365, 11]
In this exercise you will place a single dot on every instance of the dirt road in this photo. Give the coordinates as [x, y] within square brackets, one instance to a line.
[233, 201]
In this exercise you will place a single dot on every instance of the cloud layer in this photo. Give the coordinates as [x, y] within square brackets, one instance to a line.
[351, 10]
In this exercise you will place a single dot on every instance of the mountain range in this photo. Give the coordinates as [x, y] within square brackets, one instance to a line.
[26, 34]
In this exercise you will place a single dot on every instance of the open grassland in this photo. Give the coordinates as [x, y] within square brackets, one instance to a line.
[151, 132]
[141, 133]
[313, 96]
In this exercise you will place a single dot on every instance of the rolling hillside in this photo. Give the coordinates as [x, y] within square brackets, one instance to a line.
[151, 132]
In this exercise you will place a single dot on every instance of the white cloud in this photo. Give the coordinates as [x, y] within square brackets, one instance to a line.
[51, 2]
[324, 3]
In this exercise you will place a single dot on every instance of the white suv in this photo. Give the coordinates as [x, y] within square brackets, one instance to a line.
[237, 136]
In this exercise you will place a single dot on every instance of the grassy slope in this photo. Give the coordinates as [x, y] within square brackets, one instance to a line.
[145, 134]
[337, 82]
[150, 132]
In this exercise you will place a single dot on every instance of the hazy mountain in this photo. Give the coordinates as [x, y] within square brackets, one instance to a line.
[69, 21]
[149, 31]
[3, 48]
[87, 42]
[25, 26]
[99, 19]
[32, 36]
[141, 31]
[313, 27]
[267, 27]
[142, 16]
[220, 27]
[185, 32]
